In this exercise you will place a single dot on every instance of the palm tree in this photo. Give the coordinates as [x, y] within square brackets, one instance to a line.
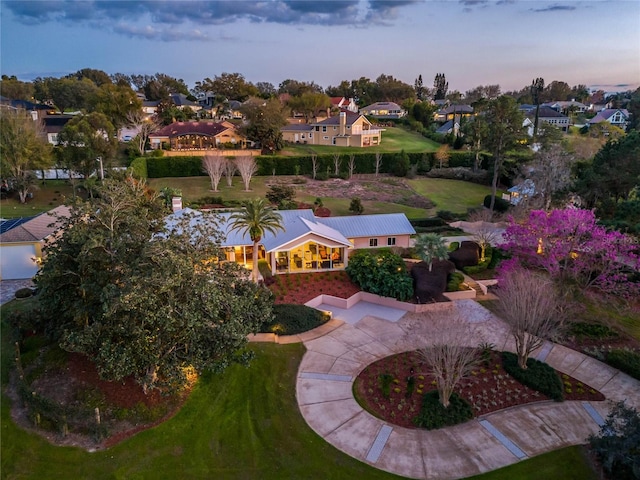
[431, 246]
[255, 219]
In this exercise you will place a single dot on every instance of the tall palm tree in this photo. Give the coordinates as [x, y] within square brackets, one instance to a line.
[255, 219]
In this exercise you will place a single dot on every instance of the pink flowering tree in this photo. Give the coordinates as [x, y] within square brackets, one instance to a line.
[571, 246]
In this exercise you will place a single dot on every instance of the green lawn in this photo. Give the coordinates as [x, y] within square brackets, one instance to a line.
[453, 195]
[565, 464]
[394, 139]
[241, 424]
[47, 196]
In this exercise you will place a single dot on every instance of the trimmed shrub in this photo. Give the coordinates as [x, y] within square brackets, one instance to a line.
[290, 319]
[460, 173]
[455, 280]
[429, 285]
[500, 205]
[433, 415]
[265, 269]
[626, 361]
[467, 255]
[174, 167]
[538, 375]
[592, 330]
[383, 273]
[24, 293]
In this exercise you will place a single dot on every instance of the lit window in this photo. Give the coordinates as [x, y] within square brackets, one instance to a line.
[373, 242]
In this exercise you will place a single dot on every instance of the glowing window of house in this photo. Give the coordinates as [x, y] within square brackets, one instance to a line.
[373, 242]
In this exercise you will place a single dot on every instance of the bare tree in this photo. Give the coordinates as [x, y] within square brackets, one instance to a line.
[450, 351]
[485, 233]
[532, 308]
[229, 171]
[336, 164]
[551, 172]
[145, 127]
[314, 164]
[214, 166]
[378, 163]
[352, 165]
[247, 167]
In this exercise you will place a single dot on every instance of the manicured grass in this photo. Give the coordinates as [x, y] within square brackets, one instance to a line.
[394, 139]
[44, 199]
[453, 195]
[195, 188]
[241, 424]
[567, 464]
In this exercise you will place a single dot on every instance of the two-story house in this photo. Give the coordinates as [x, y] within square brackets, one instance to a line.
[345, 130]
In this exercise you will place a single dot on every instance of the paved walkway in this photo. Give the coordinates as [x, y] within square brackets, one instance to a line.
[332, 362]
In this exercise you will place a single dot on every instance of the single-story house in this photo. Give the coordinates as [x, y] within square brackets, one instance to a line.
[309, 243]
[21, 245]
[345, 130]
[615, 116]
[197, 136]
[567, 107]
[550, 116]
[384, 110]
[453, 112]
[520, 192]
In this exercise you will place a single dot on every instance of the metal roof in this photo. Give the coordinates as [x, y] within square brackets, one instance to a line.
[298, 223]
[6, 225]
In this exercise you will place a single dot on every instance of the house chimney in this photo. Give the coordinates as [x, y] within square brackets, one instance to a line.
[343, 124]
[176, 204]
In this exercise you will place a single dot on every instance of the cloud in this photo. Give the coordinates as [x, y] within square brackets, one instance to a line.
[149, 19]
[554, 8]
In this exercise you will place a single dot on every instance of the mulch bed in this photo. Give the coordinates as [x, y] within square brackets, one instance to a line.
[488, 389]
[299, 288]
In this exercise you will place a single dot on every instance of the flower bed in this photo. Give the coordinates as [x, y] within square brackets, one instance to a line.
[393, 388]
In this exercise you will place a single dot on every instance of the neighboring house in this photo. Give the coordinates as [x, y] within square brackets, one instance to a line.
[345, 130]
[520, 192]
[150, 108]
[53, 125]
[449, 127]
[197, 136]
[457, 111]
[550, 116]
[180, 100]
[309, 243]
[21, 245]
[567, 107]
[343, 103]
[384, 110]
[615, 116]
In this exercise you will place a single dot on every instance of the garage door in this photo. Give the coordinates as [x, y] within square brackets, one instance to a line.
[16, 262]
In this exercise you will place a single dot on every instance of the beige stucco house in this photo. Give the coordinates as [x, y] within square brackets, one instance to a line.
[345, 130]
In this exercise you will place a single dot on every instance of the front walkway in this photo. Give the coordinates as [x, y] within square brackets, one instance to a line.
[332, 362]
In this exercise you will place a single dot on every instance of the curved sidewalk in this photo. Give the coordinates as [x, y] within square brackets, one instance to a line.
[332, 362]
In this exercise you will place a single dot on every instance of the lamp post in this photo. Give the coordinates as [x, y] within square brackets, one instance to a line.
[99, 160]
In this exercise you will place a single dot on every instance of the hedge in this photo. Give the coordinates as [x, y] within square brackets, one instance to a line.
[433, 415]
[191, 166]
[538, 375]
[627, 361]
[290, 319]
[138, 168]
[500, 205]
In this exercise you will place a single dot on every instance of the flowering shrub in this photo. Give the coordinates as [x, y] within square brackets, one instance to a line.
[570, 245]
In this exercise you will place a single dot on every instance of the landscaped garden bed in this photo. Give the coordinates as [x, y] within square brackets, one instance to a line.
[299, 288]
[393, 388]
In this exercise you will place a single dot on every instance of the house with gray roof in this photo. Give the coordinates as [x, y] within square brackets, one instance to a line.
[347, 129]
[615, 116]
[384, 110]
[309, 243]
[21, 245]
[550, 116]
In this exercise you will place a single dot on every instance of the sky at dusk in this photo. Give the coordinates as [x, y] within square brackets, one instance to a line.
[474, 42]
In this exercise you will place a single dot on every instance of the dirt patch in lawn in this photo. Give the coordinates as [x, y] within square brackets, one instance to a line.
[365, 187]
